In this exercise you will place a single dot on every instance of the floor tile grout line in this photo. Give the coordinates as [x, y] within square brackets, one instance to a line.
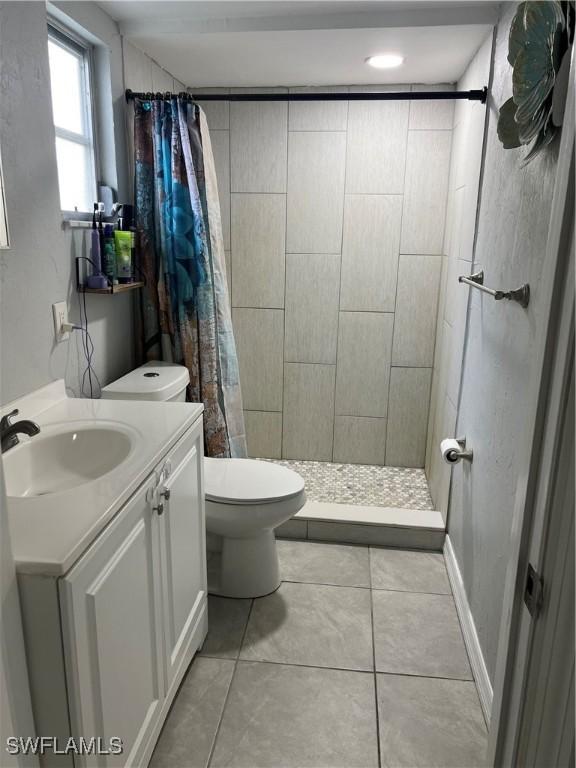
[343, 669]
[375, 679]
[342, 220]
[306, 666]
[236, 659]
[359, 586]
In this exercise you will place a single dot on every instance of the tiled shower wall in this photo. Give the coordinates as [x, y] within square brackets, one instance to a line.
[333, 217]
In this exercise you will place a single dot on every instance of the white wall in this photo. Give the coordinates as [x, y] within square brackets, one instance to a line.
[514, 214]
[333, 219]
[141, 73]
[39, 267]
[465, 166]
[38, 270]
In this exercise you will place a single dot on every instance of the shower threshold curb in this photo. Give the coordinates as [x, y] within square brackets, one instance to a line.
[355, 524]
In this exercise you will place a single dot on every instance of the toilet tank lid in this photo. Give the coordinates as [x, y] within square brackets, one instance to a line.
[155, 380]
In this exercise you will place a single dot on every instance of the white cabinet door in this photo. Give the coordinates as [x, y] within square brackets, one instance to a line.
[183, 550]
[111, 614]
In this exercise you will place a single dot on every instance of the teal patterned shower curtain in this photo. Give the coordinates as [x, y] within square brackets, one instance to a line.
[185, 307]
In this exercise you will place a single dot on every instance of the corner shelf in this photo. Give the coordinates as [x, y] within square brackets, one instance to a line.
[120, 288]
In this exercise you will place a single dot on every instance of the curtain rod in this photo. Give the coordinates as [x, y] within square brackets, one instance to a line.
[473, 95]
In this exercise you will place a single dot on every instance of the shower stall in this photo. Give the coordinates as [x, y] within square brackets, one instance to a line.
[342, 220]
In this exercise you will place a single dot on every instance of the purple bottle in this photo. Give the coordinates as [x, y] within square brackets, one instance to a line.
[96, 279]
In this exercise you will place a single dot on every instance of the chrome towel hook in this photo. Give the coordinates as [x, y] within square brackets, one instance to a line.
[521, 295]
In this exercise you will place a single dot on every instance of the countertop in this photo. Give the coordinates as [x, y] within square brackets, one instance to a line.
[49, 533]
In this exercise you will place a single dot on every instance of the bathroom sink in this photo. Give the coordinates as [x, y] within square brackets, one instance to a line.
[63, 457]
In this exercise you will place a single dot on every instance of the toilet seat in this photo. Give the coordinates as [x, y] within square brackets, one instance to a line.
[241, 482]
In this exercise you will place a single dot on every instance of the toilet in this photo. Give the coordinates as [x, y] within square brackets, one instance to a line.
[245, 499]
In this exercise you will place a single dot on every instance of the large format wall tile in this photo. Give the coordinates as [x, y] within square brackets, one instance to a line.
[431, 114]
[259, 335]
[427, 168]
[416, 308]
[220, 141]
[408, 416]
[217, 112]
[308, 411]
[263, 434]
[444, 425]
[316, 169]
[370, 252]
[228, 258]
[258, 238]
[359, 440]
[364, 350]
[318, 115]
[376, 151]
[311, 320]
[258, 139]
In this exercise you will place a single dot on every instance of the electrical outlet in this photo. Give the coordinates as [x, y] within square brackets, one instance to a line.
[60, 314]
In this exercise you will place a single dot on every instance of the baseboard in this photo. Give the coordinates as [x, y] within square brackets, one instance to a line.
[471, 641]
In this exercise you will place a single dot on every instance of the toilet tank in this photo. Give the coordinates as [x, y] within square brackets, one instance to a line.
[156, 380]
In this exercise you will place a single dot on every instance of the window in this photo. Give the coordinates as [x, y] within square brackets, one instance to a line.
[72, 110]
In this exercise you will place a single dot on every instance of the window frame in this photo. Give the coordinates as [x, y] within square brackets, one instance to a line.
[64, 37]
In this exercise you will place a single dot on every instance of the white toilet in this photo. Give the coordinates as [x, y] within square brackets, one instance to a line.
[245, 499]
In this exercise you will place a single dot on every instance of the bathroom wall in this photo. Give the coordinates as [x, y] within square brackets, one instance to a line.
[334, 228]
[498, 372]
[141, 73]
[39, 267]
[465, 167]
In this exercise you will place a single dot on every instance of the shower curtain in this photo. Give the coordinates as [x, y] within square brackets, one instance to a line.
[185, 307]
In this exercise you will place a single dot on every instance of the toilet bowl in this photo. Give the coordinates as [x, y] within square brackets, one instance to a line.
[245, 499]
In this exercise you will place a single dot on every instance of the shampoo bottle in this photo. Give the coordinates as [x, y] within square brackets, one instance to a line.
[123, 241]
[110, 254]
[96, 279]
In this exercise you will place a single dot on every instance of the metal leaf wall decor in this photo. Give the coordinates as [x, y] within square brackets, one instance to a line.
[539, 42]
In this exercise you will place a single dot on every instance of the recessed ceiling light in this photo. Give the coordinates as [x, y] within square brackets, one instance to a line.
[385, 60]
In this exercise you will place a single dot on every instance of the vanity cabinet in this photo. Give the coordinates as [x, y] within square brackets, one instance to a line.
[132, 613]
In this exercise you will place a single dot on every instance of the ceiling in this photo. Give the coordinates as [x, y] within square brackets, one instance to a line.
[304, 43]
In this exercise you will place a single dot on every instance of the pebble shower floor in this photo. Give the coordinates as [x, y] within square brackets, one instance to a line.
[363, 484]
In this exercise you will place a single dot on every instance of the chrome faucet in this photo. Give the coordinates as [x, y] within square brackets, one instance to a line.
[9, 432]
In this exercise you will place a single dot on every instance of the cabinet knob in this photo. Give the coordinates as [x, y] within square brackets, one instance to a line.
[166, 493]
[159, 509]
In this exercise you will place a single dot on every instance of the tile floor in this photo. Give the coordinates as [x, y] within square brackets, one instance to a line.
[356, 661]
[363, 484]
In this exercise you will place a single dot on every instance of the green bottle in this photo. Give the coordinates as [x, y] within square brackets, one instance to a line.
[109, 254]
[123, 241]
